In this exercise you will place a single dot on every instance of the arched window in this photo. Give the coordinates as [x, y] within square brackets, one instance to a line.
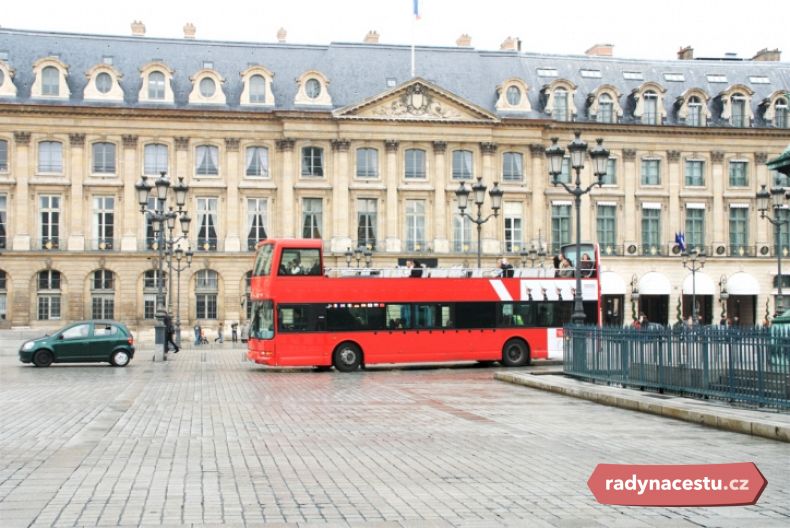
[257, 161]
[696, 117]
[513, 95]
[650, 113]
[605, 109]
[103, 295]
[156, 85]
[48, 290]
[257, 89]
[561, 112]
[50, 157]
[738, 118]
[50, 81]
[781, 113]
[206, 293]
[206, 160]
[155, 159]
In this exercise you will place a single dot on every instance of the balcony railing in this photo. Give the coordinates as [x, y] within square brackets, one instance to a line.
[47, 244]
[102, 244]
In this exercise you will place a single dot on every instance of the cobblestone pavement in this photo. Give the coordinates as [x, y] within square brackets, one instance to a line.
[209, 439]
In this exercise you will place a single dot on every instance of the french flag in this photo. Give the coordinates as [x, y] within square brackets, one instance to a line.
[417, 9]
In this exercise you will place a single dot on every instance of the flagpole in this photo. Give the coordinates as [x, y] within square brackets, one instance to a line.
[416, 11]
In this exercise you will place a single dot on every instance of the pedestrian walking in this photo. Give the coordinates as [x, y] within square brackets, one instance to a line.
[234, 331]
[220, 330]
[169, 332]
[197, 333]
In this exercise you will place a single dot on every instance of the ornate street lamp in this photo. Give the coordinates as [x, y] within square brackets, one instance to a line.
[693, 261]
[349, 255]
[779, 201]
[600, 160]
[479, 190]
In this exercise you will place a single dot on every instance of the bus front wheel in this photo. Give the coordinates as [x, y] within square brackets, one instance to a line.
[347, 357]
[515, 353]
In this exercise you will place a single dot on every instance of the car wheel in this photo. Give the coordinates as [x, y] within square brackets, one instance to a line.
[43, 358]
[120, 358]
[515, 353]
[347, 357]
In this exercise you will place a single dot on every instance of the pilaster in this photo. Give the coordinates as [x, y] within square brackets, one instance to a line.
[537, 179]
[392, 242]
[132, 219]
[673, 220]
[285, 187]
[491, 242]
[718, 221]
[341, 212]
[441, 243]
[235, 207]
[630, 179]
[22, 170]
[79, 213]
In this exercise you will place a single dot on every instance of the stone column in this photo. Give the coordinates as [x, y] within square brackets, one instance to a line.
[77, 213]
[22, 172]
[393, 242]
[673, 220]
[441, 243]
[630, 178]
[763, 229]
[491, 229]
[234, 205]
[537, 181]
[132, 219]
[717, 225]
[341, 213]
[285, 187]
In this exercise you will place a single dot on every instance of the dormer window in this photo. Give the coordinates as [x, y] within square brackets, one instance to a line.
[603, 104]
[50, 81]
[561, 105]
[559, 100]
[257, 86]
[736, 106]
[692, 108]
[781, 113]
[694, 112]
[207, 87]
[738, 118]
[650, 114]
[513, 95]
[103, 82]
[156, 86]
[7, 87]
[649, 99]
[605, 109]
[257, 89]
[313, 89]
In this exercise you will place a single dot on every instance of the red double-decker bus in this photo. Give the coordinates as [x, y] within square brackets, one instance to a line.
[304, 314]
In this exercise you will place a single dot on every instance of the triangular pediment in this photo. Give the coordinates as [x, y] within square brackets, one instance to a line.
[416, 100]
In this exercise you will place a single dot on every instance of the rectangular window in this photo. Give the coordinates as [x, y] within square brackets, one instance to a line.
[103, 306]
[256, 221]
[783, 215]
[50, 81]
[650, 115]
[257, 162]
[676, 77]
[561, 105]
[738, 112]
[512, 166]
[651, 172]
[695, 228]
[312, 161]
[50, 157]
[415, 163]
[155, 159]
[694, 114]
[591, 74]
[48, 307]
[207, 160]
[367, 163]
[714, 78]
[462, 164]
[462, 231]
[651, 230]
[312, 217]
[206, 305]
[610, 178]
[3, 221]
[514, 228]
[633, 76]
[207, 224]
[415, 225]
[738, 173]
[366, 222]
[103, 222]
[149, 306]
[739, 229]
[547, 72]
[606, 225]
[103, 158]
[695, 173]
[560, 226]
[3, 156]
[49, 210]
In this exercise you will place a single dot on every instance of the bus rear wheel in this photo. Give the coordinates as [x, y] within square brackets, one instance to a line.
[515, 353]
[347, 357]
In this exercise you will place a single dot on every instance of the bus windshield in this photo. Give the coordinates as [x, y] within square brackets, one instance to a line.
[263, 261]
[262, 324]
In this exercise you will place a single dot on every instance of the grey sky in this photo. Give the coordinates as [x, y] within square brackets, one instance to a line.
[649, 30]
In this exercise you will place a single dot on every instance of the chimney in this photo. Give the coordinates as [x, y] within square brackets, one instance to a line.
[765, 54]
[189, 30]
[372, 37]
[281, 34]
[138, 29]
[464, 41]
[686, 53]
[511, 44]
[600, 50]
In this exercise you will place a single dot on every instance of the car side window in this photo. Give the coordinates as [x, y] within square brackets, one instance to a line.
[77, 332]
[105, 330]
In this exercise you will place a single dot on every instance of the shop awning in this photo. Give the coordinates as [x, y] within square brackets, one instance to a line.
[742, 283]
[698, 283]
[654, 283]
[612, 284]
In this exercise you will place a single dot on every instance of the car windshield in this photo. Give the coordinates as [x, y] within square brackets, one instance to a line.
[263, 262]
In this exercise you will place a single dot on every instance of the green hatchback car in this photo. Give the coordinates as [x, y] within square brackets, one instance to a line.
[82, 342]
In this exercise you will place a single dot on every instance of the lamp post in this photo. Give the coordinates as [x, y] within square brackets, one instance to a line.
[180, 255]
[693, 261]
[532, 255]
[349, 255]
[600, 159]
[779, 201]
[162, 220]
[479, 190]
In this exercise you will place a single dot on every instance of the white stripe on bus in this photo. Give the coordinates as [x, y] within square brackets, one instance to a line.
[500, 290]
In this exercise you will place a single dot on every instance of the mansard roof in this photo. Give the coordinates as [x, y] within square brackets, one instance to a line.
[360, 72]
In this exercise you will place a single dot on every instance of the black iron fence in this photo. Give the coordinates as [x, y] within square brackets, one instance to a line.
[736, 364]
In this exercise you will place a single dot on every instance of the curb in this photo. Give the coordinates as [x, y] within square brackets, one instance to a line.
[615, 397]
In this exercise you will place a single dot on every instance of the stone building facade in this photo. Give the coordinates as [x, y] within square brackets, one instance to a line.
[339, 142]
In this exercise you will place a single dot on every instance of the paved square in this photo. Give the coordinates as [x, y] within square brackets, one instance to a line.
[208, 438]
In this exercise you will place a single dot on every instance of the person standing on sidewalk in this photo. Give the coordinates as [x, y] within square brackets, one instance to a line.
[234, 331]
[220, 331]
[169, 332]
[197, 334]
